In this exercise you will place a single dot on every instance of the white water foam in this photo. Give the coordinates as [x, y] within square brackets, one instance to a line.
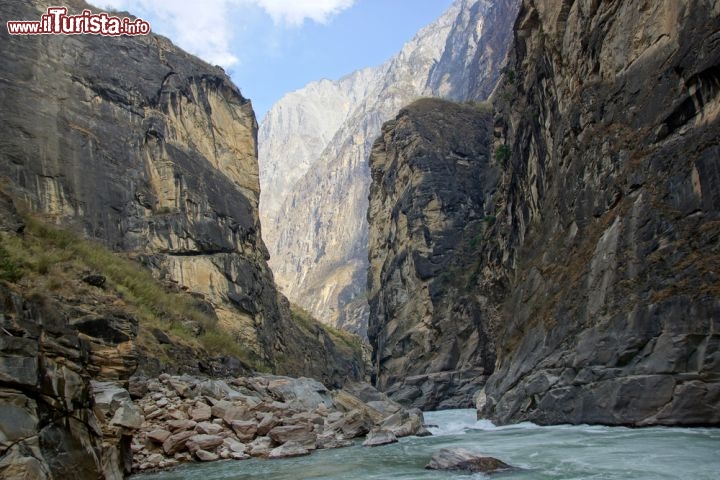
[450, 422]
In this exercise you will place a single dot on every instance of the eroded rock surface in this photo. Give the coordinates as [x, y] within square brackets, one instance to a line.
[55, 420]
[151, 151]
[316, 141]
[610, 112]
[429, 200]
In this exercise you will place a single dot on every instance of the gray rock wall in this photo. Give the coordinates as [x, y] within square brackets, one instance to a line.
[135, 143]
[609, 228]
[316, 142]
[429, 202]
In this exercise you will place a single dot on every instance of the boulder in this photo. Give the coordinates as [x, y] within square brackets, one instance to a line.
[260, 447]
[245, 430]
[176, 443]
[182, 388]
[302, 434]
[405, 423]
[267, 422]
[347, 402]
[354, 424]
[208, 428]
[128, 416]
[237, 412]
[221, 390]
[180, 425]
[155, 459]
[462, 459]
[234, 446]
[108, 396]
[379, 437]
[220, 408]
[302, 393]
[331, 439]
[158, 435]
[200, 412]
[203, 442]
[137, 387]
[290, 449]
[205, 456]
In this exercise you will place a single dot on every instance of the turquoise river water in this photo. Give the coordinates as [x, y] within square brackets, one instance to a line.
[557, 452]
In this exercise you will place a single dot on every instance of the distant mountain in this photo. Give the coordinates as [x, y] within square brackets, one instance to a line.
[314, 146]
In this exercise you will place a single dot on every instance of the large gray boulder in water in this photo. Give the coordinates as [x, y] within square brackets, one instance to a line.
[462, 459]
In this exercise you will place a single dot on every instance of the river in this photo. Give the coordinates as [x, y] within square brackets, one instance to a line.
[557, 452]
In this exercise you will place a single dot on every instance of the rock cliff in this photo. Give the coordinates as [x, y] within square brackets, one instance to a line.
[430, 200]
[609, 119]
[133, 142]
[315, 147]
[600, 269]
[63, 361]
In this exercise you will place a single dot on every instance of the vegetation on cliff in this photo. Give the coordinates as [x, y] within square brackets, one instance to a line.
[47, 260]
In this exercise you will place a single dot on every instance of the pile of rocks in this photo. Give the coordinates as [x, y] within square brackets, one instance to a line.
[189, 419]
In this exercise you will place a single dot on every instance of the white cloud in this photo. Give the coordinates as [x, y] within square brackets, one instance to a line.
[206, 28]
[202, 30]
[296, 12]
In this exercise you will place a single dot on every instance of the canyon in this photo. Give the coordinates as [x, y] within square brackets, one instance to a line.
[540, 240]
[314, 145]
[129, 145]
[608, 224]
[596, 277]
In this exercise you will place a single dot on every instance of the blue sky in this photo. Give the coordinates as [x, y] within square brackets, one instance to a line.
[272, 47]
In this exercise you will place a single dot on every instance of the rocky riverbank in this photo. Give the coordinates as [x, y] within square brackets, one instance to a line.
[189, 419]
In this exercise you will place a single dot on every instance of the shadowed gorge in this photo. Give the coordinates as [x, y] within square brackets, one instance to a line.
[315, 144]
[516, 217]
[433, 179]
[609, 229]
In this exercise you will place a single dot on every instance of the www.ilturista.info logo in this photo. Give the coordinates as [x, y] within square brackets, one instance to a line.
[57, 22]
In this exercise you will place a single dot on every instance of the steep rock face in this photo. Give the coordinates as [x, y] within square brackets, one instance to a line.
[150, 150]
[474, 51]
[295, 132]
[58, 362]
[432, 181]
[610, 224]
[318, 237]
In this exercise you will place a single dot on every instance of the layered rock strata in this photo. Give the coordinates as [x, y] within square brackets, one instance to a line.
[610, 113]
[63, 364]
[133, 142]
[430, 199]
[315, 143]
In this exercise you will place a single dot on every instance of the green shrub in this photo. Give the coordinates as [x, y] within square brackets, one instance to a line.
[509, 74]
[502, 153]
[9, 270]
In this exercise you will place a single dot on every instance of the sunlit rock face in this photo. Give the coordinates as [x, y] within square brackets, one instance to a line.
[153, 152]
[315, 143]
